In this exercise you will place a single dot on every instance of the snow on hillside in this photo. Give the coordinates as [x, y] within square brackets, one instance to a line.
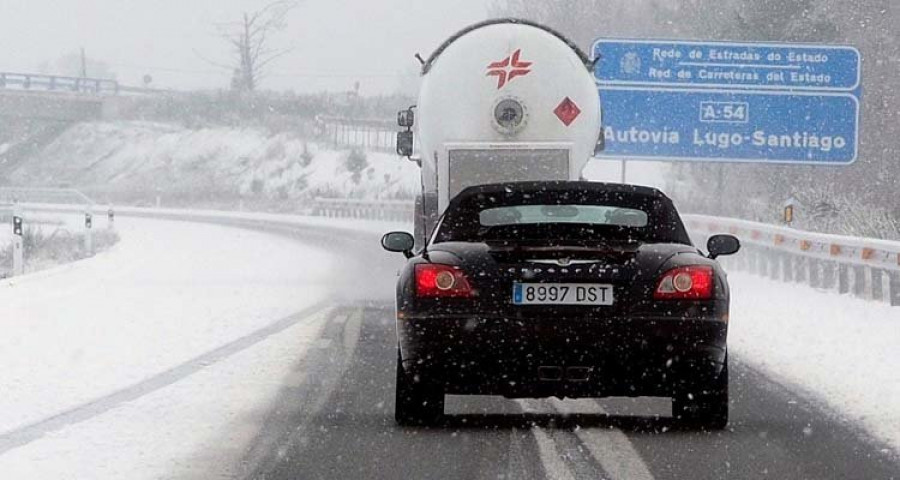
[158, 158]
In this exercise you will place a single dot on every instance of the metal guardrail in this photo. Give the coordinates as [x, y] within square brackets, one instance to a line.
[867, 268]
[57, 83]
[394, 210]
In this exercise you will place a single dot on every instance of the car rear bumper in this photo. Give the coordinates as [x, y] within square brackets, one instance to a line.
[644, 356]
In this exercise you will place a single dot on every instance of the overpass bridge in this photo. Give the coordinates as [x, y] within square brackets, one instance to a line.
[26, 96]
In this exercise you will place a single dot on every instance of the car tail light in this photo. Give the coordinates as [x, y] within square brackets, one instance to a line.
[435, 280]
[686, 283]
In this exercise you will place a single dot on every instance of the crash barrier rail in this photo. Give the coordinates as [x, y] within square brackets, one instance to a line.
[867, 268]
[57, 83]
[397, 210]
[12, 200]
[371, 135]
[63, 196]
[864, 267]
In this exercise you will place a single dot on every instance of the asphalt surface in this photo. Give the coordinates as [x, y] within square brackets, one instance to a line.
[338, 422]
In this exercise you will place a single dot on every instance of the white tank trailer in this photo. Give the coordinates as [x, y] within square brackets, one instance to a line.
[503, 100]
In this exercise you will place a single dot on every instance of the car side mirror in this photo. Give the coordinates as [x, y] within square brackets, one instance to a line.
[405, 144]
[398, 242]
[718, 245]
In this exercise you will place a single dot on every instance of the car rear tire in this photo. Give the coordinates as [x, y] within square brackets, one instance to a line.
[705, 407]
[415, 402]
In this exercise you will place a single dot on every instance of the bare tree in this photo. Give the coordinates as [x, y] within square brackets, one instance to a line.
[250, 39]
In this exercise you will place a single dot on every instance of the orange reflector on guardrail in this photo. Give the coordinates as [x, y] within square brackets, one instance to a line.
[835, 250]
[779, 239]
[805, 245]
[868, 253]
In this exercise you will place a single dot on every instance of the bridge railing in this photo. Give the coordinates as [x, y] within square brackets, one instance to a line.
[59, 196]
[371, 135]
[57, 83]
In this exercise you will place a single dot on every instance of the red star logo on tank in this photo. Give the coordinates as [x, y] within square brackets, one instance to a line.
[509, 68]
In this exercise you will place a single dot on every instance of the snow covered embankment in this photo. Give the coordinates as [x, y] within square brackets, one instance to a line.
[843, 350]
[136, 161]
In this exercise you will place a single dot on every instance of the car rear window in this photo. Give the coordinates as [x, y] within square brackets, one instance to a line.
[556, 214]
[583, 214]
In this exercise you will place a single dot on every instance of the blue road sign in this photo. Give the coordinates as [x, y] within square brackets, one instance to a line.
[715, 125]
[763, 103]
[729, 65]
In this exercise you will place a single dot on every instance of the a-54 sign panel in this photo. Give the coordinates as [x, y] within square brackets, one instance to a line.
[761, 103]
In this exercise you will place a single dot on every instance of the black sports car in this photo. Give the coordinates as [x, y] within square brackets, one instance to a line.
[567, 289]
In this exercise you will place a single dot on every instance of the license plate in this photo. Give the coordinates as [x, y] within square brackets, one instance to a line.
[562, 294]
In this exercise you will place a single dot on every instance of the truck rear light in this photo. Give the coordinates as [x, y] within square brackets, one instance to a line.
[435, 280]
[686, 283]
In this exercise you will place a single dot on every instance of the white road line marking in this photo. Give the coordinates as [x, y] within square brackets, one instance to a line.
[554, 465]
[609, 447]
[352, 330]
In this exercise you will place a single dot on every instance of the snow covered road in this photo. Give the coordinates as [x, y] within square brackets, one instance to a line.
[78, 335]
[204, 351]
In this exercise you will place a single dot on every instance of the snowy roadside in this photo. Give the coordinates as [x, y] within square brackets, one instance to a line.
[167, 293]
[843, 350]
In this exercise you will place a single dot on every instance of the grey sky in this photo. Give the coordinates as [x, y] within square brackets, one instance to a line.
[335, 42]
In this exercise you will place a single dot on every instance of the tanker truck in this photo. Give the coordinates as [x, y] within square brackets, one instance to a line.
[503, 100]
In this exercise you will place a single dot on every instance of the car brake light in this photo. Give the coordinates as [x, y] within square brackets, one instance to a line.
[435, 280]
[686, 283]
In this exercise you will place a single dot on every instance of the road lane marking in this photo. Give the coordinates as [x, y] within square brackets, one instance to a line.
[552, 461]
[610, 447]
[86, 411]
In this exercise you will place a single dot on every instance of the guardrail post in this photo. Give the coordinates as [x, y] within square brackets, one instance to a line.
[877, 284]
[894, 288]
[88, 237]
[774, 265]
[18, 243]
[110, 218]
[800, 270]
[815, 273]
[859, 281]
[787, 268]
[843, 280]
[828, 275]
